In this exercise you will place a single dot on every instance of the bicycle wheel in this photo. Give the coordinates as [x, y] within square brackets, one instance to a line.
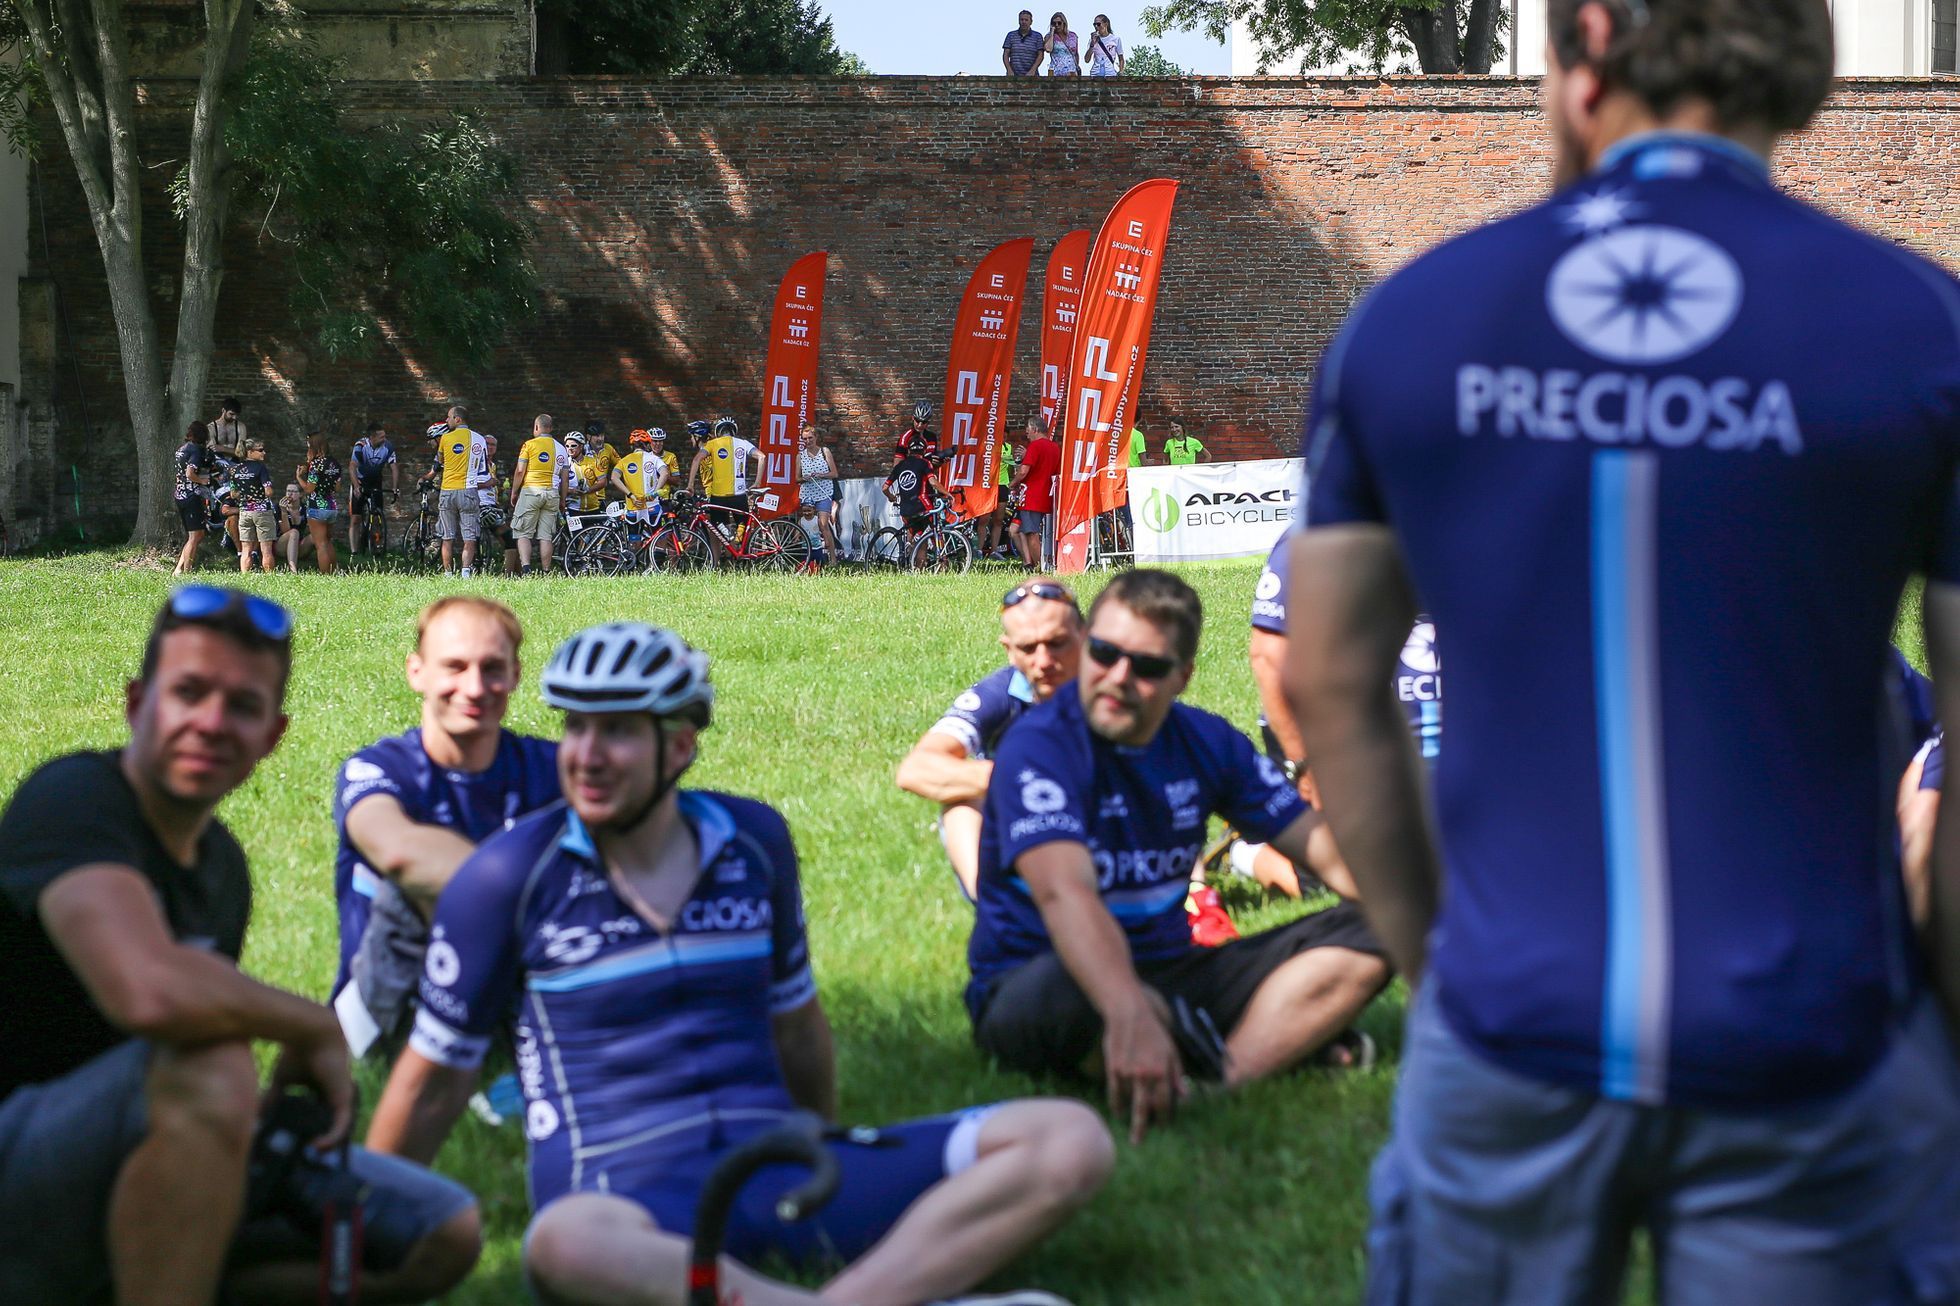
[679, 549]
[597, 551]
[887, 548]
[941, 552]
[781, 545]
[377, 534]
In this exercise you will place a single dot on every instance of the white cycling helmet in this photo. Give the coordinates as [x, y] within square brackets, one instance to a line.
[629, 666]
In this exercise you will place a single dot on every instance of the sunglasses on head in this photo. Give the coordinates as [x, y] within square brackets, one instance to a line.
[1145, 666]
[203, 602]
[1041, 589]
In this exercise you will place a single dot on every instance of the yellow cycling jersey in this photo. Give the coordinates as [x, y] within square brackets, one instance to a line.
[537, 463]
[725, 470]
[593, 474]
[673, 474]
[453, 454]
[638, 470]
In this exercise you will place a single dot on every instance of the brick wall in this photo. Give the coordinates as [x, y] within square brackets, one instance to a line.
[664, 213]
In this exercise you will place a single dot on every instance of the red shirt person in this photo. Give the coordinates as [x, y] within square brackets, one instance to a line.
[1041, 463]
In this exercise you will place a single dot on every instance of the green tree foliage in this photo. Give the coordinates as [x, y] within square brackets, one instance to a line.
[407, 223]
[683, 37]
[1149, 61]
[1438, 36]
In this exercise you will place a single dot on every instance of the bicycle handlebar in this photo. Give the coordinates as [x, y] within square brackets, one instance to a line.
[798, 1141]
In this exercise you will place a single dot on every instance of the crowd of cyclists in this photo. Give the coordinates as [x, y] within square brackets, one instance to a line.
[584, 505]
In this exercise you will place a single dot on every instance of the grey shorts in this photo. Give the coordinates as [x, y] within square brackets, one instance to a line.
[1032, 523]
[536, 517]
[63, 1143]
[457, 514]
[1498, 1188]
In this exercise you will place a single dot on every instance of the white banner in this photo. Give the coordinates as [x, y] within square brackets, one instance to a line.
[1212, 510]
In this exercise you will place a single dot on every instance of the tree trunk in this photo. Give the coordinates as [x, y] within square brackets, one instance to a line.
[82, 49]
[228, 35]
[1480, 36]
[1433, 34]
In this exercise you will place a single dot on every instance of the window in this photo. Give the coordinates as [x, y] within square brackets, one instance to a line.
[1944, 60]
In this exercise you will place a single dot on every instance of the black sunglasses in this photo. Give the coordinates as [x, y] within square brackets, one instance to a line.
[1041, 589]
[203, 602]
[1145, 666]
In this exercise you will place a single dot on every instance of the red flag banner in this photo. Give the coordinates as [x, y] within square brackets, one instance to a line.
[979, 369]
[789, 390]
[1060, 301]
[1112, 341]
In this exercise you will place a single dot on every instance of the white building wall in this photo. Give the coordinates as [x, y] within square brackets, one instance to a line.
[1875, 38]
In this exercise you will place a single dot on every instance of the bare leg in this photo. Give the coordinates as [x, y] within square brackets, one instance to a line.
[827, 524]
[353, 533]
[245, 552]
[523, 551]
[291, 539]
[959, 830]
[178, 1198]
[265, 557]
[435, 1265]
[544, 553]
[1299, 1007]
[1039, 1161]
[322, 533]
[592, 1249]
[187, 556]
[469, 555]
[448, 554]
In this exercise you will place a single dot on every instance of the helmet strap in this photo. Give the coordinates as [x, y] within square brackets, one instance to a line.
[663, 784]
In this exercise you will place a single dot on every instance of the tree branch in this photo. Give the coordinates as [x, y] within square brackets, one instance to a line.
[1479, 36]
[67, 97]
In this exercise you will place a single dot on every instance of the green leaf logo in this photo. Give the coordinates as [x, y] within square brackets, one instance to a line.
[1160, 511]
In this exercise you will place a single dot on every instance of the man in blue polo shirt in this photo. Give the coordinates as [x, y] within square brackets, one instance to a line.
[1041, 629]
[1660, 472]
[1095, 814]
[412, 807]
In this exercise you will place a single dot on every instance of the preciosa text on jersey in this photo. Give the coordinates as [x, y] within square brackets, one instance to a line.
[1626, 408]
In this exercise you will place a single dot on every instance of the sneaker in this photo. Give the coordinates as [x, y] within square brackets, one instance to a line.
[468, 572]
[1351, 1049]
[1210, 926]
[1025, 1297]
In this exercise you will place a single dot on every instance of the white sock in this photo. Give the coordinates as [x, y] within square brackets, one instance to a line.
[469, 571]
[1242, 855]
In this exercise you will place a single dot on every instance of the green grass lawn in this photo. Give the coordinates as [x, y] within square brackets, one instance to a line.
[823, 684]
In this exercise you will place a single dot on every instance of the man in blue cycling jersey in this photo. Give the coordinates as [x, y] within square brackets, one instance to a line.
[410, 808]
[1418, 680]
[1095, 815]
[1660, 481]
[372, 455]
[649, 942]
[1041, 629]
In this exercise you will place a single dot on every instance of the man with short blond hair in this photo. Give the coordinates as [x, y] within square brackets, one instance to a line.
[1041, 629]
[539, 489]
[411, 807]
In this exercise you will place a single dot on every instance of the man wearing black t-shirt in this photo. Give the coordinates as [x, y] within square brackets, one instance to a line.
[128, 1091]
[913, 487]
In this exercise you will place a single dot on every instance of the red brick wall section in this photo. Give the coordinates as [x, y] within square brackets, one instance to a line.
[665, 212]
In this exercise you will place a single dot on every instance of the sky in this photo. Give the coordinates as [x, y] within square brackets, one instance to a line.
[943, 37]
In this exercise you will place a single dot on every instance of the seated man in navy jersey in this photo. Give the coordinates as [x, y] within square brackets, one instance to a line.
[1041, 629]
[648, 942]
[411, 807]
[1094, 817]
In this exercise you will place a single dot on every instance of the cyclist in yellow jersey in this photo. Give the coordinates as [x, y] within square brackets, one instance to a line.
[723, 466]
[597, 446]
[640, 473]
[591, 494]
[459, 510]
[544, 471]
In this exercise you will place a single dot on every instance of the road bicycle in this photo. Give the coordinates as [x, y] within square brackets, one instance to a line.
[941, 546]
[611, 542]
[421, 544]
[700, 535]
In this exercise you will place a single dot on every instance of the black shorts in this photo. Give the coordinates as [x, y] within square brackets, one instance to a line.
[737, 505]
[916, 520]
[371, 499]
[195, 514]
[1038, 1020]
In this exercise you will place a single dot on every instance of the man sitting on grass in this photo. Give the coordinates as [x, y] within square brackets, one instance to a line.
[411, 807]
[648, 941]
[1041, 629]
[1095, 813]
[129, 1096]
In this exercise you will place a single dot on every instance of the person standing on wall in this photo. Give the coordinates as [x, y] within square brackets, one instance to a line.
[1021, 52]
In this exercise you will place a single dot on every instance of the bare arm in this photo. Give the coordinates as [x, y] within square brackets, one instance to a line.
[419, 1107]
[1144, 1072]
[1268, 653]
[939, 768]
[105, 921]
[1309, 842]
[1919, 811]
[1349, 613]
[1942, 616]
[419, 858]
[1006, 64]
[808, 1057]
